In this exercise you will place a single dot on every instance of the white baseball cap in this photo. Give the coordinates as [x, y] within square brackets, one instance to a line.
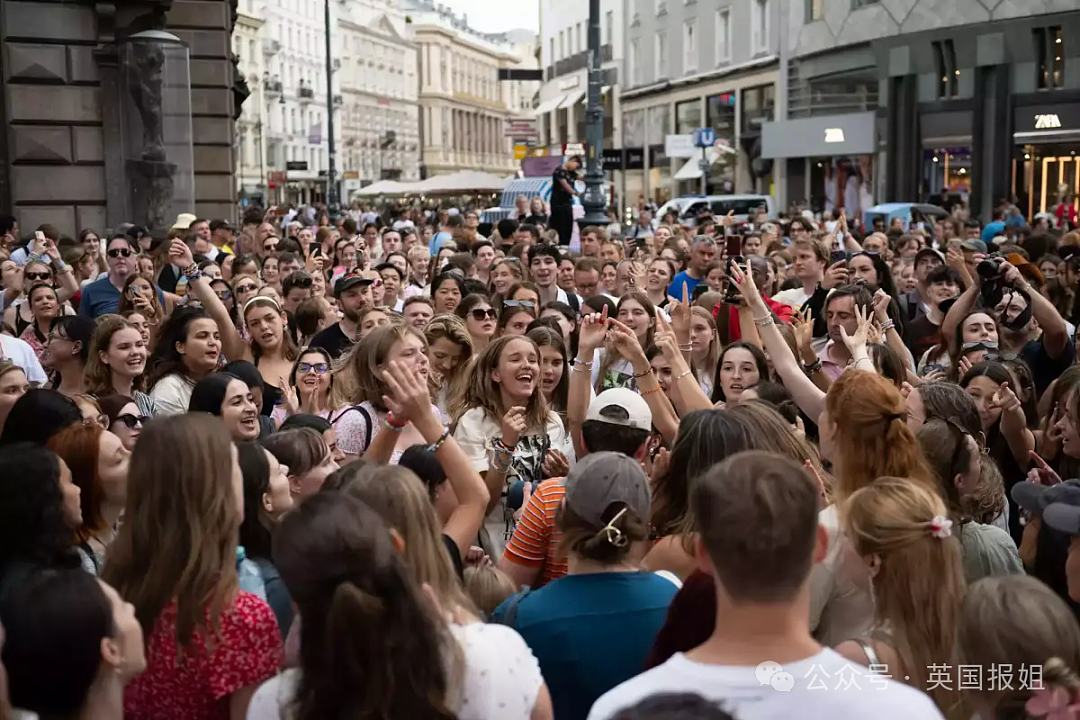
[638, 414]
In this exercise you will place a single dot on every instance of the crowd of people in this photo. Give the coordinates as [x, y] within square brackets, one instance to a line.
[387, 467]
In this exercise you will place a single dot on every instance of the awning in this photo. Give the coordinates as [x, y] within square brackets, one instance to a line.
[603, 91]
[549, 105]
[572, 99]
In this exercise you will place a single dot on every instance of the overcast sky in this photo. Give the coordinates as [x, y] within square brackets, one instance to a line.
[498, 15]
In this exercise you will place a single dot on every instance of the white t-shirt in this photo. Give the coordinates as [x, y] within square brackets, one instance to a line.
[794, 298]
[501, 679]
[477, 430]
[826, 686]
[19, 352]
[172, 395]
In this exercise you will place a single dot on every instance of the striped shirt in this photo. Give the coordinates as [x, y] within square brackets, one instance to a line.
[535, 541]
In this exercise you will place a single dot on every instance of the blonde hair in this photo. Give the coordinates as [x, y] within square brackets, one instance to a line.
[401, 499]
[452, 328]
[357, 378]
[485, 393]
[920, 582]
[1016, 620]
[712, 357]
[487, 587]
[97, 376]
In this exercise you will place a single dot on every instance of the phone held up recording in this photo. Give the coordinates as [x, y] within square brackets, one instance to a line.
[733, 248]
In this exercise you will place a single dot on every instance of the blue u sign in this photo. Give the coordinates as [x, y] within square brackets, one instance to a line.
[704, 137]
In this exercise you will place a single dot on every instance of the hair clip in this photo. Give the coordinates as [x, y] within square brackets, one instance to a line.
[613, 534]
[941, 527]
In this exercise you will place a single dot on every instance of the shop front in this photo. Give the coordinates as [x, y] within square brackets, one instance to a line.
[1045, 166]
[945, 161]
[830, 159]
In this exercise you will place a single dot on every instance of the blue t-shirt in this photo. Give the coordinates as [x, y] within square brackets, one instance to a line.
[992, 230]
[101, 297]
[591, 632]
[437, 241]
[675, 289]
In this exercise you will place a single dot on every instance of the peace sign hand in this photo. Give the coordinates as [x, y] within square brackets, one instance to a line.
[744, 280]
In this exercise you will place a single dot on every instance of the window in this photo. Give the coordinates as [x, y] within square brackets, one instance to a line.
[661, 7]
[635, 63]
[723, 36]
[580, 44]
[760, 26]
[609, 28]
[562, 45]
[689, 46]
[815, 10]
[1049, 58]
[661, 69]
[551, 50]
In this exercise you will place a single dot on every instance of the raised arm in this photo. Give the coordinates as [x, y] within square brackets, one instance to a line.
[663, 414]
[232, 344]
[809, 398]
[410, 401]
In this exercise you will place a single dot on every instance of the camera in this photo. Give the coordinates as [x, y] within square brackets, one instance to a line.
[991, 271]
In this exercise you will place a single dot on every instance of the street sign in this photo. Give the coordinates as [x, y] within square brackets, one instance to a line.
[521, 152]
[611, 159]
[569, 149]
[679, 146]
[296, 165]
[704, 137]
[525, 128]
[276, 177]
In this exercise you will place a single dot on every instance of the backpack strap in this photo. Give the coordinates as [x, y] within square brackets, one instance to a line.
[368, 425]
[573, 301]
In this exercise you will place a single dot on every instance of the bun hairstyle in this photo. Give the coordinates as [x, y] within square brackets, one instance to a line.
[607, 545]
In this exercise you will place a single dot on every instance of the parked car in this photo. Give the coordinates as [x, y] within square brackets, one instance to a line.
[689, 207]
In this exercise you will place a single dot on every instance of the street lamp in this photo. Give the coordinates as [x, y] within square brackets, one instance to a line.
[331, 179]
[595, 199]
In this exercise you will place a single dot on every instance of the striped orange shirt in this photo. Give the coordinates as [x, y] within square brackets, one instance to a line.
[535, 541]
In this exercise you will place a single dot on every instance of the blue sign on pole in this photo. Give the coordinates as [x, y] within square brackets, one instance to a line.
[704, 137]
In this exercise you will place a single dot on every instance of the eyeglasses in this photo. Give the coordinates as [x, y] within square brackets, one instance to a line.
[53, 337]
[527, 304]
[317, 368]
[246, 288]
[120, 252]
[38, 275]
[479, 314]
[101, 421]
[132, 420]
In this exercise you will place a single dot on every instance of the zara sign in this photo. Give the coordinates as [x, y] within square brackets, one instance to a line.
[834, 135]
[1047, 121]
[1032, 120]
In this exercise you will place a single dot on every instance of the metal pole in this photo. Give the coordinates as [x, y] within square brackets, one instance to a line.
[262, 146]
[331, 174]
[595, 197]
[704, 171]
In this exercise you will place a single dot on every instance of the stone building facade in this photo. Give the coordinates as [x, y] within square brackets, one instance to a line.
[62, 159]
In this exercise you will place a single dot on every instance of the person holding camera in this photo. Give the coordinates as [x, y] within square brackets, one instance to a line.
[1028, 324]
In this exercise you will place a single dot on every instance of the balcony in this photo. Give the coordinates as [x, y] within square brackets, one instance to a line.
[271, 47]
[578, 61]
[339, 101]
[273, 88]
[306, 94]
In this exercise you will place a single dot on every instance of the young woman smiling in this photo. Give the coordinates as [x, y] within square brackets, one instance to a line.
[44, 308]
[658, 276]
[450, 359]
[308, 390]
[139, 296]
[271, 349]
[704, 348]
[117, 361]
[229, 398]
[637, 312]
[507, 429]
[189, 350]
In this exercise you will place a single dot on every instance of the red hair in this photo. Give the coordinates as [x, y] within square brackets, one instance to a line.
[79, 446]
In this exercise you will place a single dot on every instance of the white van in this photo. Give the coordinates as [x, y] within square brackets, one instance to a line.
[689, 207]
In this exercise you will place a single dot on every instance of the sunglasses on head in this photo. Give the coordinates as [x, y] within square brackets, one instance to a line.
[101, 421]
[317, 368]
[120, 252]
[480, 314]
[132, 420]
[527, 304]
[38, 275]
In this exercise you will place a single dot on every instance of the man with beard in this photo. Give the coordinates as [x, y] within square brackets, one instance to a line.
[353, 293]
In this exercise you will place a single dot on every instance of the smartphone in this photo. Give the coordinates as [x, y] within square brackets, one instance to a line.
[734, 245]
[314, 248]
[639, 243]
[838, 256]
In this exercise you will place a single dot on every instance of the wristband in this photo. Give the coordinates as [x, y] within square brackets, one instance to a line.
[814, 367]
[391, 423]
[651, 390]
[887, 326]
[638, 376]
[680, 377]
[576, 363]
[433, 447]
[764, 322]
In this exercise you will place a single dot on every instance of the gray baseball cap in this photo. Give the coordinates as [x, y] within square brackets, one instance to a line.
[1058, 505]
[601, 479]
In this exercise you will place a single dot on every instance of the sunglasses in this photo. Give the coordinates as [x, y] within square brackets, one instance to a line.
[38, 275]
[317, 368]
[226, 294]
[131, 421]
[527, 304]
[120, 252]
[479, 314]
[246, 288]
[101, 421]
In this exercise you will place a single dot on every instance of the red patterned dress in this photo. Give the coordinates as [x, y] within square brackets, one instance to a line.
[246, 651]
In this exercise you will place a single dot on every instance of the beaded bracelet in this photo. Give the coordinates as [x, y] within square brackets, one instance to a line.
[680, 377]
[500, 446]
[814, 367]
[887, 326]
[651, 390]
[638, 376]
[764, 322]
[439, 443]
